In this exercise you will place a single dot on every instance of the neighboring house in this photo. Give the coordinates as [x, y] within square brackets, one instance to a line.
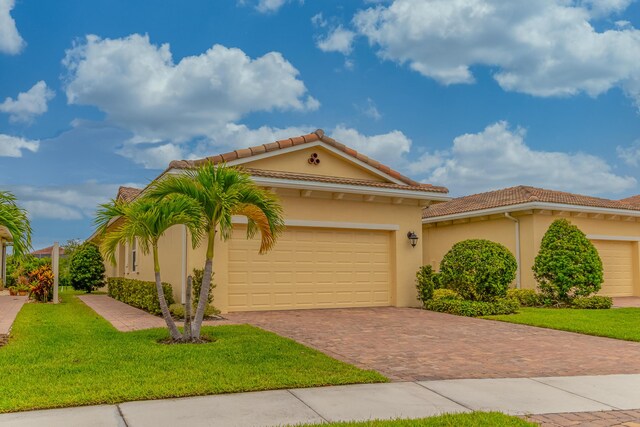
[46, 252]
[5, 240]
[346, 243]
[518, 217]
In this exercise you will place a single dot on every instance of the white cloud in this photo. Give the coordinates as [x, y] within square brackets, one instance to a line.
[371, 110]
[12, 146]
[390, 148]
[318, 20]
[152, 156]
[543, 47]
[339, 39]
[498, 157]
[65, 202]
[10, 40]
[269, 6]
[630, 155]
[141, 89]
[28, 105]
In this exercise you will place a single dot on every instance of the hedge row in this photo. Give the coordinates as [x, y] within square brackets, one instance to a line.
[138, 293]
[449, 301]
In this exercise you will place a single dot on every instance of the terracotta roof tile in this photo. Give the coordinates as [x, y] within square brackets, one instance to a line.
[519, 195]
[127, 193]
[633, 200]
[245, 152]
[47, 251]
[338, 180]
[318, 135]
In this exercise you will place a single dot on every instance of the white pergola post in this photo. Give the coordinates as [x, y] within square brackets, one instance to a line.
[55, 265]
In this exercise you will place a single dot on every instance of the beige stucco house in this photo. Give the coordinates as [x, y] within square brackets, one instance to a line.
[518, 217]
[347, 219]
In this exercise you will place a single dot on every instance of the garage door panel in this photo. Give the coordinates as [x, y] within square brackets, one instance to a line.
[617, 264]
[310, 268]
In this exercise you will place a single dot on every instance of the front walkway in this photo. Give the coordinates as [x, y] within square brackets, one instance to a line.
[9, 308]
[122, 316]
[571, 401]
[624, 302]
[409, 344]
[126, 318]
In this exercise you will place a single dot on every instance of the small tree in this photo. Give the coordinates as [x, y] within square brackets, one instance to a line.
[567, 265]
[86, 268]
[478, 270]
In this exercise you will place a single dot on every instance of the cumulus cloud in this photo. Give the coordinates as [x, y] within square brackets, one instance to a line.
[29, 104]
[631, 154]
[141, 89]
[10, 40]
[543, 48]
[65, 202]
[498, 157]
[13, 146]
[339, 39]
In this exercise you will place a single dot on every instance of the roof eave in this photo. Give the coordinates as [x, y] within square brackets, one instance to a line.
[532, 205]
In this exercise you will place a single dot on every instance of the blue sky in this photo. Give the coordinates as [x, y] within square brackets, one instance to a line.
[474, 95]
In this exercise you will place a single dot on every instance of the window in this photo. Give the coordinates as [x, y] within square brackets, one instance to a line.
[134, 251]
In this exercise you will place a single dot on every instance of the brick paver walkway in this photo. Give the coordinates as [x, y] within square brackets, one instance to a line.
[122, 316]
[601, 419]
[126, 318]
[626, 302]
[410, 344]
[9, 308]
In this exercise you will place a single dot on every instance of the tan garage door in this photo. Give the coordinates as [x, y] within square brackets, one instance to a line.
[310, 268]
[617, 262]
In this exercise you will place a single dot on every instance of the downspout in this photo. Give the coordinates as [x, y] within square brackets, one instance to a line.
[517, 222]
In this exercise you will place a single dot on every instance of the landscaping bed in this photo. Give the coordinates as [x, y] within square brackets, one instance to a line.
[66, 355]
[619, 323]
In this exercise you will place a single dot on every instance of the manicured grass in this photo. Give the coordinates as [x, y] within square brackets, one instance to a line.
[620, 323]
[474, 419]
[67, 355]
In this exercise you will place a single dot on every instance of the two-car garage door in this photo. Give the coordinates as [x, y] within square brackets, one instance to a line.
[311, 268]
[617, 263]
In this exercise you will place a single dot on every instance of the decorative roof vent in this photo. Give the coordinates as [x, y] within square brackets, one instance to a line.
[313, 159]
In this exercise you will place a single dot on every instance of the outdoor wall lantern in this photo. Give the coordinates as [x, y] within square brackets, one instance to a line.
[413, 238]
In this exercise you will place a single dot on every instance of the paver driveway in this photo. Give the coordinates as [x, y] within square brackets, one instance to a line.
[411, 344]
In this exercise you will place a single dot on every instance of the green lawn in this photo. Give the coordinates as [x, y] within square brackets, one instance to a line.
[66, 355]
[620, 323]
[474, 419]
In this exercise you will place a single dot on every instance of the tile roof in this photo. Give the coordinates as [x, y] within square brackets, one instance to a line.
[318, 135]
[346, 181]
[47, 251]
[633, 200]
[127, 193]
[519, 195]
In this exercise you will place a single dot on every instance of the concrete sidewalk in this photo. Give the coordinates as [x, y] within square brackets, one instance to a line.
[517, 396]
[9, 308]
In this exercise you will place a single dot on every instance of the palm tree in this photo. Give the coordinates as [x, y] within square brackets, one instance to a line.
[16, 221]
[145, 221]
[222, 192]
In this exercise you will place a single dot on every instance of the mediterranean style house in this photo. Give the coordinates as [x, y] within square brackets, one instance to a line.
[357, 231]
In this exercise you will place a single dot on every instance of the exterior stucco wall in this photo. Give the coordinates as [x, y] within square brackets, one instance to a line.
[330, 164]
[438, 239]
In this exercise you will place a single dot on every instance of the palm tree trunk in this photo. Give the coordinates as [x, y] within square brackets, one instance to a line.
[204, 289]
[173, 329]
[187, 311]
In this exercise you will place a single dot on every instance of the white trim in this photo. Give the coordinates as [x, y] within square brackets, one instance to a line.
[349, 188]
[322, 144]
[616, 238]
[533, 205]
[327, 224]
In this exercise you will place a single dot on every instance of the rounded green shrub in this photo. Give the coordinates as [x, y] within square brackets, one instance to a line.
[446, 294]
[478, 270]
[86, 268]
[567, 265]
